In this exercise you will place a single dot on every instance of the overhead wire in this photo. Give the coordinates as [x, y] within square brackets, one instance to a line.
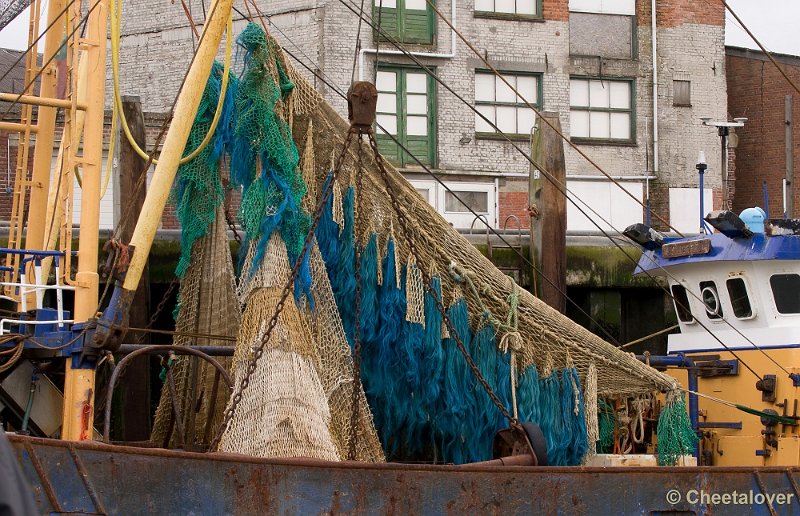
[555, 183]
[329, 83]
[36, 41]
[757, 42]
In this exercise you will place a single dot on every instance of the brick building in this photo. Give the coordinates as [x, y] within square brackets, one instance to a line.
[589, 60]
[768, 149]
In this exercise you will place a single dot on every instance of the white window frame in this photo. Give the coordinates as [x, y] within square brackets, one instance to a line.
[515, 8]
[595, 110]
[461, 220]
[624, 7]
[490, 108]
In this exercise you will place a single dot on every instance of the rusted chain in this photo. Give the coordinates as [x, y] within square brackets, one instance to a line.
[409, 237]
[357, 330]
[251, 366]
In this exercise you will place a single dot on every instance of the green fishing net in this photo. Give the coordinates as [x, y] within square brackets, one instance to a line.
[199, 190]
[675, 435]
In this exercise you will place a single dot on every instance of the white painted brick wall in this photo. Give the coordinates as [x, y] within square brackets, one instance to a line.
[157, 47]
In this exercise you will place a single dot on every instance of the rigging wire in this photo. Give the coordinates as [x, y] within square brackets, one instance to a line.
[36, 41]
[329, 83]
[766, 52]
[50, 60]
[559, 186]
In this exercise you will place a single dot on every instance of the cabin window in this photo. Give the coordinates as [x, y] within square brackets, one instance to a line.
[711, 300]
[786, 291]
[740, 301]
[501, 106]
[681, 301]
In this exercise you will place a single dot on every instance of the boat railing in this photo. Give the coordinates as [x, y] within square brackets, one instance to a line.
[37, 285]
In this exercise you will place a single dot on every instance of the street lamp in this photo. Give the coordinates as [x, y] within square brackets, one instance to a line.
[701, 169]
[723, 129]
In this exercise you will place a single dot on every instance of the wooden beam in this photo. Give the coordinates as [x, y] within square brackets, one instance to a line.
[549, 213]
[135, 405]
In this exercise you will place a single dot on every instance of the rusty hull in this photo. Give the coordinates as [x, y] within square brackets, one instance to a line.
[95, 478]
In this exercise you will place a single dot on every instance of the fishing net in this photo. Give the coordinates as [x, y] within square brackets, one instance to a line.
[425, 399]
[208, 306]
[675, 435]
[207, 302]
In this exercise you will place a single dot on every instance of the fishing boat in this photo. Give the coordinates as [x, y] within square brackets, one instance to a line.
[361, 356]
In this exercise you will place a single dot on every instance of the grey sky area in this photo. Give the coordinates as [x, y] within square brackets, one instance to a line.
[774, 23]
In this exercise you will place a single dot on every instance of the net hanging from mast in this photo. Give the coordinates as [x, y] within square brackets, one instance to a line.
[295, 390]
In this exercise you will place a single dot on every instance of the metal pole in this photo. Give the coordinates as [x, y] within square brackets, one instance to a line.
[78, 414]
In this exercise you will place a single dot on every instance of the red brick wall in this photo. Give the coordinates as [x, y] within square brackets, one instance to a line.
[756, 90]
[673, 13]
[513, 203]
[556, 10]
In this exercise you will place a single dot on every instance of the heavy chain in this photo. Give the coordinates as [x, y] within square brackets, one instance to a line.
[160, 308]
[251, 366]
[357, 330]
[427, 281]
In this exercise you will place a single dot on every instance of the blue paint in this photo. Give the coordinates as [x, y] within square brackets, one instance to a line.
[759, 247]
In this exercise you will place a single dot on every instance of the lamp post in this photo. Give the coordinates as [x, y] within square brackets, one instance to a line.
[723, 129]
[701, 169]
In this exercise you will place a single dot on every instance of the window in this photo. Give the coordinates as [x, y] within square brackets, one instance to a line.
[681, 301]
[406, 111]
[711, 300]
[784, 289]
[737, 290]
[682, 93]
[450, 202]
[605, 28]
[408, 21]
[514, 8]
[497, 101]
[627, 7]
[601, 109]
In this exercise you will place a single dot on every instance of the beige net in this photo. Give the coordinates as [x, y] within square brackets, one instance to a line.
[299, 399]
[545, 332]
[208, 306]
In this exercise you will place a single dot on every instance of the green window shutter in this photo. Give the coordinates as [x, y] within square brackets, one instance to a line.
[417, 26]
[388, 23]
[405, 25]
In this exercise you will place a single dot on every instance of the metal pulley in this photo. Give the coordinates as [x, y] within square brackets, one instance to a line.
[362, 100]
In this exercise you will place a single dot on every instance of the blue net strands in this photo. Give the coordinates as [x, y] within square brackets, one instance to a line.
[264, 159]
[426, 402]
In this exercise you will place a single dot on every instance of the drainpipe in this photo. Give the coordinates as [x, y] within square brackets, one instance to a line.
[654, 45]
[431, 55]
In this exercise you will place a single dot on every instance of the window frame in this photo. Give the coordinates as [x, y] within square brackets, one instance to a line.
[713, 317]
[631, 81]
[772, 294]
[675, 102]
[539, 104]
[684, 292]
[536, 17]
[400, 12]
[405, 158]
[747, 293]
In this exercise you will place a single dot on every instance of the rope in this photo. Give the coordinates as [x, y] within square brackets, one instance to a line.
[116, 15]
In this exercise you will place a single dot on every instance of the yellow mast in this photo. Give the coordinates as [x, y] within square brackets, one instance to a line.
[79, 378]
[46, 121]
[79, 383]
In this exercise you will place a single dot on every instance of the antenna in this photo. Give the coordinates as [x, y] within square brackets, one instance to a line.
[701, 169]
